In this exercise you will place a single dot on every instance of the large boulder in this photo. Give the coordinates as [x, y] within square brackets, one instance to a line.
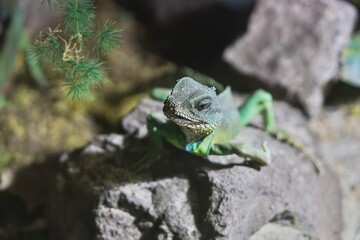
[294, 44]
[186, 197]
[338, 135]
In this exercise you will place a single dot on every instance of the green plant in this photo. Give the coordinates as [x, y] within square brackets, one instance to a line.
[5, 159]
[350, 61]
[74, 48]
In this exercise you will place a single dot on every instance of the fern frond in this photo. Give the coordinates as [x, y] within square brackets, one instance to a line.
[82, 77]
[66, 70]
[78, 14]
[109, 38]
[37, 53]
[54, 47]
[48, 3]
[87, 35]
[79, 90]
[91, 69]
[67, 50]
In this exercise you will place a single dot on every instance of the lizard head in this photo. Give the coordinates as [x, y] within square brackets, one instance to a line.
[194, 107]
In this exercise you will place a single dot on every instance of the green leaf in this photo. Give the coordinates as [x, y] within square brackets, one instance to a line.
[78, 14]
[2, 101]
[91, 69]
[37, 54]
[64, 69]
[48, 3]
[109, 38]
[87, 35]
[79, 90]
[81, 74]
[350, 59]
[5, 158]
[54, 48]
[82, 77]
[353, 47]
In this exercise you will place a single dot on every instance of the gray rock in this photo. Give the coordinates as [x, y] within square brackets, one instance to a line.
[272, 231]
[186, 197]
[135, 122]
[294, 44]
[279, 188]
[133, 210]
[338, 134]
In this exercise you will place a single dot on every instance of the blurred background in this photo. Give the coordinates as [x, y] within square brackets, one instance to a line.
[306, 53]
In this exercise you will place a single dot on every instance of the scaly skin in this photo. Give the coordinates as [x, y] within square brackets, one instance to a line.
[204, 123]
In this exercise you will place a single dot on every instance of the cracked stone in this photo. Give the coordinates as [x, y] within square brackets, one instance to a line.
[295, 45]
[186, 197]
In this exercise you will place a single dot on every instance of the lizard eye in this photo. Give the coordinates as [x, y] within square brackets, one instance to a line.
[203, 106]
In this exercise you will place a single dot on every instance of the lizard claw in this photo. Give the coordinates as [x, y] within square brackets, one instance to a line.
[267, 152]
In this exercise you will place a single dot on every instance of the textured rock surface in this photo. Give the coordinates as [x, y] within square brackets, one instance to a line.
[272, 231]
[338, 135]
[295, 45]
[184, 197]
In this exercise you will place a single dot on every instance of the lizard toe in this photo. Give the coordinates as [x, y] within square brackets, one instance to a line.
[267, 152]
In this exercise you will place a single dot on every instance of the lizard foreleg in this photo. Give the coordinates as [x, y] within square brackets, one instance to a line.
[261, 102]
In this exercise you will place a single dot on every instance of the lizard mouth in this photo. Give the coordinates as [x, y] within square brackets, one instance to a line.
[177, 117]
[194, 125]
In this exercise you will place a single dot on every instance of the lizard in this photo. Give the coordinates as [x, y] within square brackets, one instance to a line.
[201, 122]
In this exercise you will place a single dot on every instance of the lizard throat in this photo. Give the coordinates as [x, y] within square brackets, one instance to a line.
[192, 128]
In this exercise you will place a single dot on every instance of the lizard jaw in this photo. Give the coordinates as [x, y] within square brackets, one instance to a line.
[185, 121]
[178, 117]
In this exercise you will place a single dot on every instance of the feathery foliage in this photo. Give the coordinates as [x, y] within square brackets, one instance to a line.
[48, 3]
[36, 53]
[78, 14]
[73, 49]
[108, 39]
